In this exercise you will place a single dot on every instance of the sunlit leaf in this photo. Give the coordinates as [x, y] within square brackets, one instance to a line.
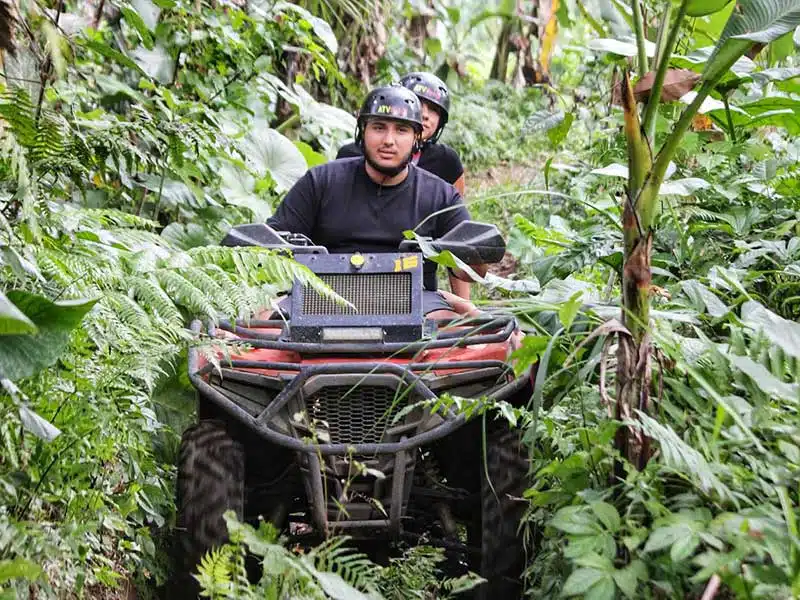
[620, 47]
[156, 63]
[700, 8]
[13, 320]
[37, 425]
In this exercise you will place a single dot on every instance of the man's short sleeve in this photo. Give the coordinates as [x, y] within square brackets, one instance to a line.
[297, 211]
[349, 151]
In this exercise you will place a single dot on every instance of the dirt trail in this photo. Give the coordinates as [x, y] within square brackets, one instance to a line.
[483, 180]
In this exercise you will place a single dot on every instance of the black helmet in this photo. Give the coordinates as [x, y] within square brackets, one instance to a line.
[429, 87]
[398, 104]
[391, 102]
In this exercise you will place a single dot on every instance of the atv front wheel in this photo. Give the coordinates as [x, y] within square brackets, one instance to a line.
[211, 472]
[502, 509]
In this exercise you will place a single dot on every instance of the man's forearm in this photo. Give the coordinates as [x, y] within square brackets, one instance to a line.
[481, 270]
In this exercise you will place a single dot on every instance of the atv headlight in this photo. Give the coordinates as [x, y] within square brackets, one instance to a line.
[352, 334]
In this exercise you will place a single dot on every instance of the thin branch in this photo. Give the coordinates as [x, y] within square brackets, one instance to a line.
[649, 122]
[638, 27]
[98, 14]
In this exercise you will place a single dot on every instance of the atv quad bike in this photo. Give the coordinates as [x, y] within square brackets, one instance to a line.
[333, 422]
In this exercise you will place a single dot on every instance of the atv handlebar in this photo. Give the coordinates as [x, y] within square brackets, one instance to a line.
[473, 242]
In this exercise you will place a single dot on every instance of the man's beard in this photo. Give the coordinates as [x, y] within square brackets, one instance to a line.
[388, 171]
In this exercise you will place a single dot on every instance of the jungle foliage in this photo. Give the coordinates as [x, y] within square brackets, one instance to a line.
[659, 214]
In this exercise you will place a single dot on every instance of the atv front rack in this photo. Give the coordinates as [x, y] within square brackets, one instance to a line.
[472, 331]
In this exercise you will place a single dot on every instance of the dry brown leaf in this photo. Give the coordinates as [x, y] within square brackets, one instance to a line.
[677, 82]
[702, 123]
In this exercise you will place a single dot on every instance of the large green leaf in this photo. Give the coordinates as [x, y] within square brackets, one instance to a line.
[238, 189]
[267, 151]
[13, 320]
[23, 355]
[147, 11]
[700, 8]
[753, 21]
[321, 28]
[156, 63]
[769, 384]
[620, 47]
[779, 331]
[19, 568]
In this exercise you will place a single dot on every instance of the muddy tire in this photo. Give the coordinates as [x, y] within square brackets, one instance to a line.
[502, 509]
[211, 472]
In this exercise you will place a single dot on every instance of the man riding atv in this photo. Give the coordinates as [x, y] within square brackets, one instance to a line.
[365, 203]
[432, 156]
[337, 419]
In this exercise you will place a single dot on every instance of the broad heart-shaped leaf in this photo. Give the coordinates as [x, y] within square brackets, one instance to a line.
[238, 188]
[12, 319]
[23, 355]
[766, 20]
[700, 8]
[267, 151]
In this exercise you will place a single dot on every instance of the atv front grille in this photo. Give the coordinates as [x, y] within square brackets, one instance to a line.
[355, 414]
[370, 293]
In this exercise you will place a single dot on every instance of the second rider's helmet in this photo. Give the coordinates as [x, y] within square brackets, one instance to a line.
[430, 88]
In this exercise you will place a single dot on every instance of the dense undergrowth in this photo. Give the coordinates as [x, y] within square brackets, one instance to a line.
[133, 138]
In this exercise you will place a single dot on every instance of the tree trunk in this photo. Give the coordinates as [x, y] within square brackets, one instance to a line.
[500, 63]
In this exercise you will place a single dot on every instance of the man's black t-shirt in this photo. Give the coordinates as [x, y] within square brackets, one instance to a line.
[338, 206]
[439, 159]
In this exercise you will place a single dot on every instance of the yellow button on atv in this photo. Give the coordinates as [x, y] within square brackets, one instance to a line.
[357, 260]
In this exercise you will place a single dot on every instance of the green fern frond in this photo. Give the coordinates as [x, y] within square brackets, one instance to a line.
[215, 572]
[151, 295]
[698, 212]
[17, 110]
[185, 292]
[201, 279]
[109, 217]
[681, 457]
[49, 140]
[353, 567]
[129, 311]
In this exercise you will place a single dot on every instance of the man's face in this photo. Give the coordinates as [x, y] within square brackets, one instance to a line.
[430, 119]
[387, 142]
